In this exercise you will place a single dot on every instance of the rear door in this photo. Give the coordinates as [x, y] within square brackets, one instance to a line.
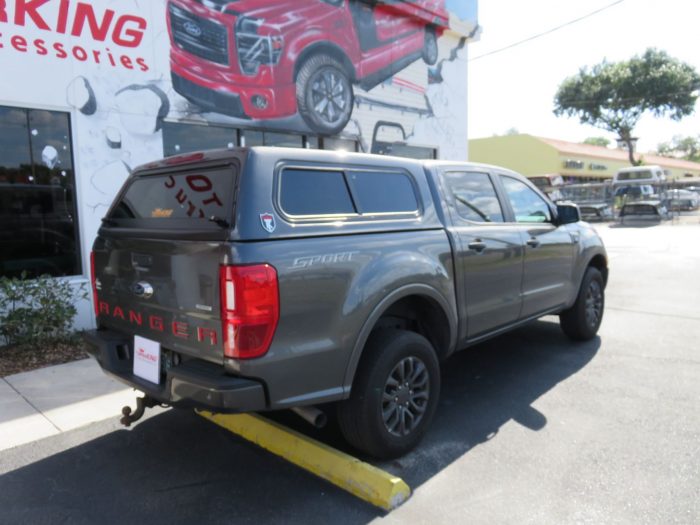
[158, 254]
[394, 21]
[489, 255]
[549, 249]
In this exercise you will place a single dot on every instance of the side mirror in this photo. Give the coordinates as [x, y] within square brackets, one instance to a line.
[567, 213]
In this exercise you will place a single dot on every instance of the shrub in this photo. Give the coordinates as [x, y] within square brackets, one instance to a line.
[37, 310]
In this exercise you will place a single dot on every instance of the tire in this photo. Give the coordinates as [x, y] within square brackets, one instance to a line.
[582, 320]
[370, 419]
[430, 47]
[324, 94]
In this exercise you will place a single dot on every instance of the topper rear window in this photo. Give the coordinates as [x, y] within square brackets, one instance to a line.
[190, 198]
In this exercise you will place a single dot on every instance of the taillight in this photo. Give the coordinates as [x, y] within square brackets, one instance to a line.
[250, 309]
[93, 281]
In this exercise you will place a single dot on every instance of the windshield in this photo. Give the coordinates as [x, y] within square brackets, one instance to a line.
[545, 181]
[635, 175]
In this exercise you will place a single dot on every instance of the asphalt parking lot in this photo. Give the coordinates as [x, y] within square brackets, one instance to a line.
[531, 429]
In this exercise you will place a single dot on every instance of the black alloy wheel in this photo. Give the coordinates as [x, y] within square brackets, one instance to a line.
[394, 395]
[582, 321]
[406, 395]
[324, 94]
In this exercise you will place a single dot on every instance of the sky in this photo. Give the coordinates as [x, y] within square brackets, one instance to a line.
[515, 88]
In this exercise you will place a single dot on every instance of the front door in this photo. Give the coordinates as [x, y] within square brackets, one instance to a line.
[489, 253]
[549, 249]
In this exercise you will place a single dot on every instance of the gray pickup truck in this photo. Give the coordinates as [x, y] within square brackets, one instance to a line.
[266, 278]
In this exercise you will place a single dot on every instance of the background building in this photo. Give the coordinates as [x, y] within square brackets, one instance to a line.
[575, 162]
[89, 90]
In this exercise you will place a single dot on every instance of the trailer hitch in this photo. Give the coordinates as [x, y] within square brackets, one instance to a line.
[142, 403]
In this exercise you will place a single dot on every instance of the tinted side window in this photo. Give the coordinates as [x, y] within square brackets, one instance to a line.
[184, 138]
[474, 196]
[407, 151]
[528, 206]
[378, 192]
[339, 144]
[315, 192]
[38, 219]
[252, 138]
[283, 140]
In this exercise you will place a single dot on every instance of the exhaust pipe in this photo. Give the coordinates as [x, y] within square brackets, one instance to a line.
[311, 415]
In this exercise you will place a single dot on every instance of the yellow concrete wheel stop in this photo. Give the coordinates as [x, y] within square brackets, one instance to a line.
[361, 479]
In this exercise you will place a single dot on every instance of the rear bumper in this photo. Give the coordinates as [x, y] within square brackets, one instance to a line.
[194, 383]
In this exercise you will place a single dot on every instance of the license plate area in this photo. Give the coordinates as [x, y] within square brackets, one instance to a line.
[147, 355]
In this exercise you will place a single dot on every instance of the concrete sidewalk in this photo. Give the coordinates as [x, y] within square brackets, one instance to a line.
[48, 401]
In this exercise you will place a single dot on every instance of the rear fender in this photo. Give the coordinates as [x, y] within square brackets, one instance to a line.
[448, 307]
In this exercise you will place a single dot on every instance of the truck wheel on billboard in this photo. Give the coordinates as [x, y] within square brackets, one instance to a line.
[430, 48]
[324, 94]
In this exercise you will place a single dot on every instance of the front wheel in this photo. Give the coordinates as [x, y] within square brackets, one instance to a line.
[582, 320]
[394, 396]
[324, 94]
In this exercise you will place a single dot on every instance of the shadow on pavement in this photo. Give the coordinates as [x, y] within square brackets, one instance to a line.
[489, 385]
[638, 225]
[178, 468]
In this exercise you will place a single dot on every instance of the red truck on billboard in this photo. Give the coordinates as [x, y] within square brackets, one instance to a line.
[264, 59]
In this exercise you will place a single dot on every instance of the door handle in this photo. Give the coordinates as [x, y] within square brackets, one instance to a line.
[575, 237]
[477, 246]
[533, 242]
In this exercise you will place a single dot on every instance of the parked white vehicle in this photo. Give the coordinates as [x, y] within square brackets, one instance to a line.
[639, 175]
[679, 199]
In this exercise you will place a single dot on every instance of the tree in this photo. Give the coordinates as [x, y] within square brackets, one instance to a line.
[597, 141]
[614, 95]
[687, 148]
[509, 131]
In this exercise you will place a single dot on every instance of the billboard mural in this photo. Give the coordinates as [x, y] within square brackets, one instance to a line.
[296, 56]
[386, 74]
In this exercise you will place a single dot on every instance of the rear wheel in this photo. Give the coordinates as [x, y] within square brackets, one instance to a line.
[394, 395]
[582, 320]
[430, 47]
[324, 94]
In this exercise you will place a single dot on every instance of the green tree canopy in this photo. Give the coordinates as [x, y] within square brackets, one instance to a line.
[597, 141]
[614, 95]
[679, 147]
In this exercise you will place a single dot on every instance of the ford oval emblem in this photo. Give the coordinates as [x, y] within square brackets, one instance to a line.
[142, 289]
[192, 29]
